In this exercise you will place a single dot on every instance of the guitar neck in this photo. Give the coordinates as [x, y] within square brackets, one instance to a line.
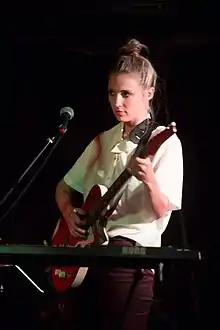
[113, 191]
[117, 187]
[145, 147]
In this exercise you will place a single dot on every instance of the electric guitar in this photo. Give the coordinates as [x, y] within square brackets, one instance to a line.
[98, 206]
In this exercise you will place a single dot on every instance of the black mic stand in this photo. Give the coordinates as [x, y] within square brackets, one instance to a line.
[54, 140]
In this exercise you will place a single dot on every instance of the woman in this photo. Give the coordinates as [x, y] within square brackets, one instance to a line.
[143, 212]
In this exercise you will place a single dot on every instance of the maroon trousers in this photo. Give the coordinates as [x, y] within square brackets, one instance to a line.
[113, 299]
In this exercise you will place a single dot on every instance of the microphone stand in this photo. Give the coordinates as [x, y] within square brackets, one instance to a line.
[54, 140]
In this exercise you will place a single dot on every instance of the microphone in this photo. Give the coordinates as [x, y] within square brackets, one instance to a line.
[66, 114]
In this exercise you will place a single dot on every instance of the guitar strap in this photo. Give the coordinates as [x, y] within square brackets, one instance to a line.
[144, 138]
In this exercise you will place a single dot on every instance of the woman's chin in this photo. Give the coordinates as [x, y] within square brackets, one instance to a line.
[122, 117]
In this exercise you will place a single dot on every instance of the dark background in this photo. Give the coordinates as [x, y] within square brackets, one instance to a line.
[55, 56]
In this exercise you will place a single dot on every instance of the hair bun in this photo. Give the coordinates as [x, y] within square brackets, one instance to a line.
[134, 48]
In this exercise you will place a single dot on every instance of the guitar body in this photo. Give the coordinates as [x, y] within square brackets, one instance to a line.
[73, 276]
[101, 202]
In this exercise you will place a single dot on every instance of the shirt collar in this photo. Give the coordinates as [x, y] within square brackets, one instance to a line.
[122, 145]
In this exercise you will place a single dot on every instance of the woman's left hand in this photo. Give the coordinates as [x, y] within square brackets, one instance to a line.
[141, 168]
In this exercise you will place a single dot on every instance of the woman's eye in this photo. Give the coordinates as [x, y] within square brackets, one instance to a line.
[110, 93]
[125, 94]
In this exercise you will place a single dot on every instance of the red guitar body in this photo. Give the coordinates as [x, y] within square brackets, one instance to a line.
[70, 276]
[64, 277]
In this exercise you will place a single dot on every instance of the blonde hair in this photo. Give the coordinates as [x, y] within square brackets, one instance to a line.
[132, 59]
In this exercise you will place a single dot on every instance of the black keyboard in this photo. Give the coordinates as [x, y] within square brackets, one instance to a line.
[99, 255]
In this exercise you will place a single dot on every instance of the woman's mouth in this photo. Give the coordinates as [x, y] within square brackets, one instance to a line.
[119, 112]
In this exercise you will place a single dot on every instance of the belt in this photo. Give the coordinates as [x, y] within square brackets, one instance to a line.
[124, 239]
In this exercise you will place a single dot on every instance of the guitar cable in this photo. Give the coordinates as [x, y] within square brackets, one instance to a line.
[24, 190]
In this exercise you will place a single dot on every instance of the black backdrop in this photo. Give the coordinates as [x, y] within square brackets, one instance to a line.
[50, 61]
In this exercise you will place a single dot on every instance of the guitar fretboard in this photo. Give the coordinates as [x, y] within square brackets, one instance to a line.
[112, 192]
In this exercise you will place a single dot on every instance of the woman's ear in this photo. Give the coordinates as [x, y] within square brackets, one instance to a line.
[150, 93]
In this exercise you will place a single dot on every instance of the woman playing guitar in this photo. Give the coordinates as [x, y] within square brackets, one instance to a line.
[144, 209]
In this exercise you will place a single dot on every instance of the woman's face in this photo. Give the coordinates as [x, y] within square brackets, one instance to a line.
[128, 98]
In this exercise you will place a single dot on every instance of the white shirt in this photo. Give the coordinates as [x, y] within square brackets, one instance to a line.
[103, 161]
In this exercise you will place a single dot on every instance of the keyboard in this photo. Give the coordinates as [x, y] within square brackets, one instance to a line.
[123, 256]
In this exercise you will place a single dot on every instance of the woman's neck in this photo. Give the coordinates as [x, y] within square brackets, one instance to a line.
[127, 128]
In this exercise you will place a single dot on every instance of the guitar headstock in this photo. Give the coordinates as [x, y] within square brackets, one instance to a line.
[172, 126]
[156, 141]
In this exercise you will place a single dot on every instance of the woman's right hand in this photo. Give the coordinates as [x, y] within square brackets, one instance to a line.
[75, 224]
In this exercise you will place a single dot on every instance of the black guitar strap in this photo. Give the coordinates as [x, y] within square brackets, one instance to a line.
[142, 135]
[140, 130]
